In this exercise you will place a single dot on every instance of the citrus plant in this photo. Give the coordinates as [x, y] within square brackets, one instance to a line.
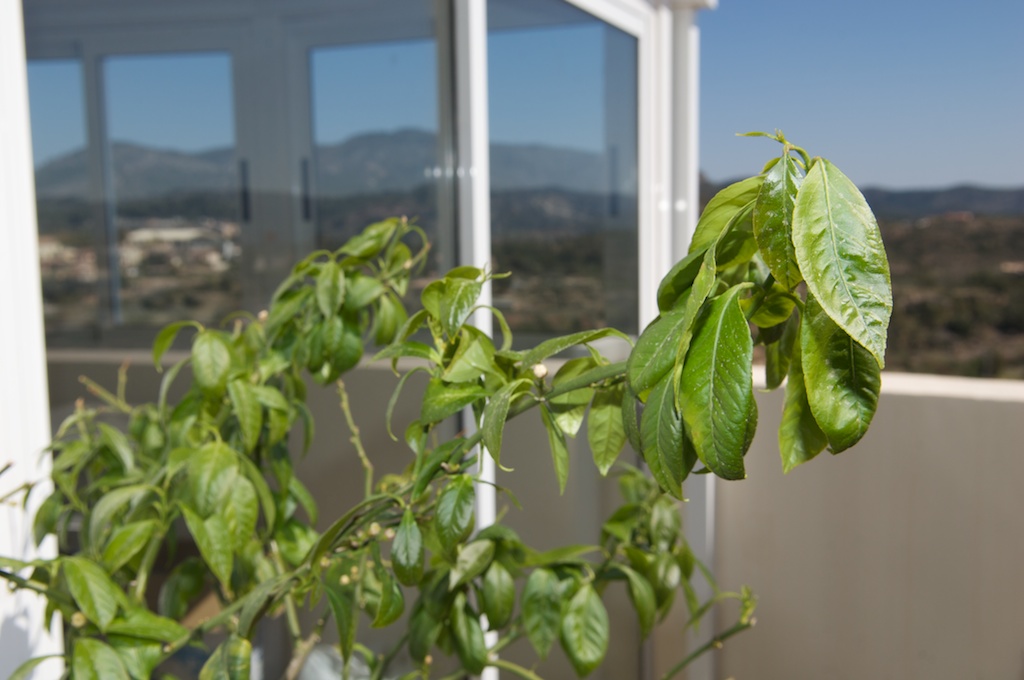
[789, 259]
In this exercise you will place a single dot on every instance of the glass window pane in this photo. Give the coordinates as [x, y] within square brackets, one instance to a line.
[170, 122]
[563, 100]
[69, 229]
[375, 137]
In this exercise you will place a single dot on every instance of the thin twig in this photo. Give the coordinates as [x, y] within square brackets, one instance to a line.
[355, 439]
[714, 643]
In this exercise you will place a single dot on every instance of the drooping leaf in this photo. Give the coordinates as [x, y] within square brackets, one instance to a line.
[555, 345]
[468, 636]
[778, 355]
[330, 288]
[800, 437]
[840, 252]
[721, 209]
[142, 623]
[341, 596]
[214, 543]
[585, 630]
[498, 596]
[211, 362]
[666, 449]
[559, 450]
[641, 594]
[542, 610]
[424, 629]
[454, 515]
[392, 601]
[655, 351]
[95, 660]
[127, 541]
[230, 661]
[842, 378]
[606, 433]
[716, 388]
[93, 590]
[248, 411]
[407, 550]
[472, 560]
[773, 220]
[495, 414]
[568, 409]
[679, 279]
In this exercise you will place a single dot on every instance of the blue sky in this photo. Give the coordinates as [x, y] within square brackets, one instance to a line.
[899, 93]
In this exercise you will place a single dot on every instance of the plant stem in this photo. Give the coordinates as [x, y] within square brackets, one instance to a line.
[356, 439]
[142, 579]
[303, 650]
[515, 669]
[715, 642]
[289, 599]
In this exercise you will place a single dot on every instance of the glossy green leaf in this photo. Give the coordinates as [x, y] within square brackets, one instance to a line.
[109, 506]
[840, 252]
[94, 592]
[641, 594]
[772, 309]
[498, 596]
[343, 345]
[139, 656]
[330, 288]
[241, 512]
[495, 415]
[606, 433]
[212, 471]
[666, 448]
[677, 282]
[117, 443]
[248, 410]
[716, 388]
[773, 220]
[165, 338]
[230, 661]
[842, 378]
[778, 355]
[473, 358]
[142, 623]
[214, 543]
[542, 610]
[341, 596]
[735, 244]
[127, 541]
[95, 660]
[559, 449]
[392, 601]
[424, 629]
[25, 670]
[442, 400]
[472, 560]
[211, 362]
[390, 316]
[568, 409]
[453, 519]
[468, 636]
[655, 351]
[457, 301]
[407, 550]
[721, 209]
[585, 630]
[800, 437]
[630, 418]
[555, 345]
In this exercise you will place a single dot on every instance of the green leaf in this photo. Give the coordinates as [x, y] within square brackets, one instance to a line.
[458, 298]
[141, 623]
[442, 400]
[641, 594]
[630, 420]
[390, 316]
[24, 671]
[95, 660]
[109, 505]
[139, 656]
[473, 558]
[214, 543]
[454, 516]
[341, 595]
[392, 601]
[473, 358]
[559, 450]
[211, 362]
[840, 252]
[679, 279]
[716, 390]
[257, 600]
[773, 220]
[775, 307]
[468, 636]
[185, 584]
[569, 408]
[407, 550]
[666, 449]
[342, 345]
[567, 554]
[555, 345]
[127, 541]
[842, 378]
[721, 209]
[605, 431]
[94, 592]
[259, 484]
[542, 610]
[212, 471]
[498, 596]
[495, 415]
[240, 513]
[330, 288]
[295, 540]
[230, 661]
[165, 338]
[655, 351]
[800, 438]
[585, 630]
[118, 444]
[361, 290]
[779, 355]
[248, 411]
[424, 628]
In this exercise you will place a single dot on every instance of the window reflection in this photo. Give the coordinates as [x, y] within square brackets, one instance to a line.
[563, 99]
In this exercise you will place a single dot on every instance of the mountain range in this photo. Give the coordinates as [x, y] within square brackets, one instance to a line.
[405, 159]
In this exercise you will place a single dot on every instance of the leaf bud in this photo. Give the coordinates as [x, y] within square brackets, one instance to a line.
[263, 316]
[78, 620]
[540, 370]
[345, 580]
[389, 533]
[374, 529]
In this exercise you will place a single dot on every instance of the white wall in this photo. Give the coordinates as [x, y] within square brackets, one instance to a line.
[900, 558]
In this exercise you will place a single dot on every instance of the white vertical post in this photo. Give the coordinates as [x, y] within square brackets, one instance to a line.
[24, 410]
[474, 209]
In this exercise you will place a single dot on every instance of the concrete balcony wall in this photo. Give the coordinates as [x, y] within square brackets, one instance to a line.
[900, 558]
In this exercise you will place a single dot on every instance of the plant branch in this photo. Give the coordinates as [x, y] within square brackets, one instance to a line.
[356, 439]
[515, 669]
[714, 643]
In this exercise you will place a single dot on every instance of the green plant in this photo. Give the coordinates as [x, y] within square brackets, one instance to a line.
[789, 261]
